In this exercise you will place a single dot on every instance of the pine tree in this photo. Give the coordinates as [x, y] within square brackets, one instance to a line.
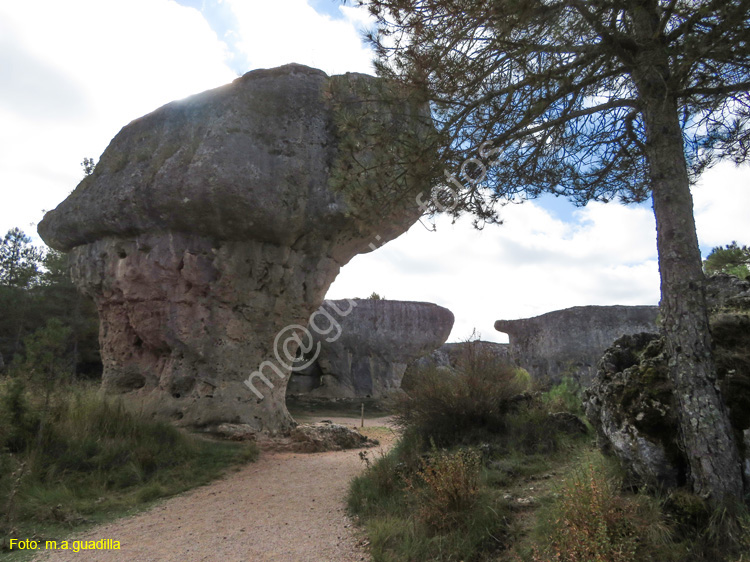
[594, 100]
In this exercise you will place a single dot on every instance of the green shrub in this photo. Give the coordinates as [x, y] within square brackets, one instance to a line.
[532, 431]
[403, 538]
[465, 406]
[445, 488]
[427, 506]
[523, 379]
[19, 422]
[565, 396]
[720, 534]
[380, 488]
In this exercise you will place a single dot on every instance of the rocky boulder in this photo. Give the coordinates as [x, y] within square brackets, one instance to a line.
[727, 291]
[214, 224]
[632, 406]
[572, 341]
[324, 436]
[366, 354]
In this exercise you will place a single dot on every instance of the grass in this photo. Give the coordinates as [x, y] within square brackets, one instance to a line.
[590, 517]
[428, 507]
[441, 492]
[83, 458]
[311, 407]
[505, 482]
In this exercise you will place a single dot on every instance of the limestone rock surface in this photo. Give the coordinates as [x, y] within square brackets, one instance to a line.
[374, 344]
[632, 405]
[322, 436]
[572, 340]
[215, 222]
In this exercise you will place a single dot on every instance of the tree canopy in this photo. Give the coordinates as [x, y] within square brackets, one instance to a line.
[35, 290]
[20, 261]
[732, 259]
[536, 96]
[593, 100]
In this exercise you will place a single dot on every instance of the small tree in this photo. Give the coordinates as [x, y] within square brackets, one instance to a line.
[732, 259]
[48, 362]
[19, 260]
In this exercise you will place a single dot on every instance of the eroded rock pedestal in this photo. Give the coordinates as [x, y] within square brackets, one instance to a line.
[211, 224]
[367, 354]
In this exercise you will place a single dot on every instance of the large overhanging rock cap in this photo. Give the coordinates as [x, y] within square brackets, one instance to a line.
[275, 156]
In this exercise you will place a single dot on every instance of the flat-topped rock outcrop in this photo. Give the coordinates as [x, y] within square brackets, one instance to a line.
[572, 341]
[374, 344]
[215, 222]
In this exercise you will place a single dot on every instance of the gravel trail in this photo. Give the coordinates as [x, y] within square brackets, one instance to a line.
[286, 507]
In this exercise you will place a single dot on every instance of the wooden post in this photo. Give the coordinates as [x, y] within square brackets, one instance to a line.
[362, 419]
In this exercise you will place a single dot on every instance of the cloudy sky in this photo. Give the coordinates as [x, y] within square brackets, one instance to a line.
[73, 73]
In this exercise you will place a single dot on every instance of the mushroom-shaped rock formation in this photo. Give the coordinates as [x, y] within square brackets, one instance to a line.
[215, 222]
[365, 353]
[572, 340]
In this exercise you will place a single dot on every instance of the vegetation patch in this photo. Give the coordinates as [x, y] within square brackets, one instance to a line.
[77, 458]
[442, 492]
[516, 483]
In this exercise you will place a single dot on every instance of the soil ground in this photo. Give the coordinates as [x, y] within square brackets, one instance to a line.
[286, 507]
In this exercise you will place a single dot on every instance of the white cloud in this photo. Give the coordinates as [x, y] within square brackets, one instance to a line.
[285, 31]
[535, 263]
[74, 73]
[532, 264]
[722, 206]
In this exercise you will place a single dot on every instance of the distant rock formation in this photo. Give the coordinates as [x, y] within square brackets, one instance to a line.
[213, 224]
[631, 402]
[572, 340]
[374, 344]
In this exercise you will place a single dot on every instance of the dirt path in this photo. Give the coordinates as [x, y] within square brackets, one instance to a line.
[286, 507]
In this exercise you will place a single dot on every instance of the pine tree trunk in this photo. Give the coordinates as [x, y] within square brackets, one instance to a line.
[705, 430]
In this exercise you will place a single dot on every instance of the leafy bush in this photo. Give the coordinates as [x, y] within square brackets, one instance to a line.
[430, 503]
[565, 396]
[19, 422]
[532, 431]
[523, 379]
[446, 487]
[459, 407]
